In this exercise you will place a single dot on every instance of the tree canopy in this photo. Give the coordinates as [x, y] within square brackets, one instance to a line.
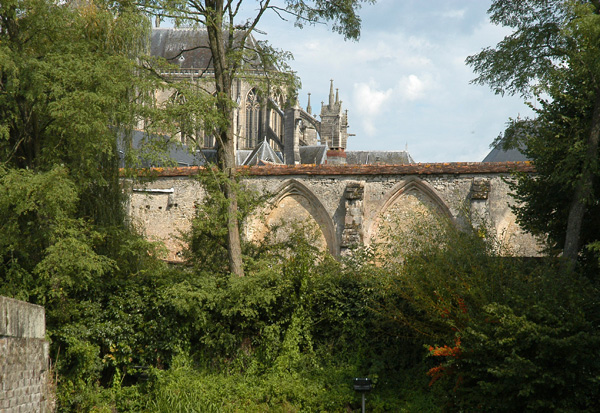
[553, 54]
[68, 90]
[67, 82]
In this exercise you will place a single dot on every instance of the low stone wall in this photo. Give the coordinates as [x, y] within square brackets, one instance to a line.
[349, 203]
[24, 362]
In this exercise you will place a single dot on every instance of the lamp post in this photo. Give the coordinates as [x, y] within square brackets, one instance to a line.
[362, 385]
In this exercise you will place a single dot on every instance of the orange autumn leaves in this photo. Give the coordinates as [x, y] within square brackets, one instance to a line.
[450, 353]
[445, 368]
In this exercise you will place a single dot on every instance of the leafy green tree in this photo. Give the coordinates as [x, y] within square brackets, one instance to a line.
[553, 50]
[70, 87]
[556, 139]
[68, 91]
[207, 240]
[227, 37]
[67, 81]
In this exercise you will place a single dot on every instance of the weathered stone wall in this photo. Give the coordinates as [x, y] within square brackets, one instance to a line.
[24, 375]
[346, 202]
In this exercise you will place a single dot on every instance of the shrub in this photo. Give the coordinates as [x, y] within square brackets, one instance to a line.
[505, 334]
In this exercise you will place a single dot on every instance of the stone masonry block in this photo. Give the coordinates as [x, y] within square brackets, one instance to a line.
[354, 191]
[480, 188]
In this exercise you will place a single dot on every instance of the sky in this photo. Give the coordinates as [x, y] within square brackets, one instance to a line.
[405, 82]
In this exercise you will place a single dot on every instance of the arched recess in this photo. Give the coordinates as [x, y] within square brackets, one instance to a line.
[416, 195]
[294, 202]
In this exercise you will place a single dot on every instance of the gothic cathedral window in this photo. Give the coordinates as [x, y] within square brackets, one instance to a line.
[252, 119]
[189, 130]
[181, 124]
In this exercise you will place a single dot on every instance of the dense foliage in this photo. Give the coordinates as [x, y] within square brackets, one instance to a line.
[552, 54]
[68, 90]
[129, 333]
[290, 335]
[504, 333]
[556, 141]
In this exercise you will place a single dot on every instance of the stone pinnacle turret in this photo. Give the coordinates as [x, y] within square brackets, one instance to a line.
[334, 128]
[331, 101]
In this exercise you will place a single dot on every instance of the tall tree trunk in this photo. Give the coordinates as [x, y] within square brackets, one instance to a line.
[226, 137]
[584, 188]
[226, 155]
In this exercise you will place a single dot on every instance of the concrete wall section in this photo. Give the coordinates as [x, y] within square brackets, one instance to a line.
[24, 362]
[21, 319]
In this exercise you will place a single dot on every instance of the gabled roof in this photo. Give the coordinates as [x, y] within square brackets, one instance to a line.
[263, 154]
[512, 143]
[504, 155]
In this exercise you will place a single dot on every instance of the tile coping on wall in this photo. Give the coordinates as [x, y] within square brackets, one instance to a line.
[407, 169]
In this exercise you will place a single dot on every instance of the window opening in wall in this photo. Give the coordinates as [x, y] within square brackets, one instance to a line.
[178, 98]
[252, 119]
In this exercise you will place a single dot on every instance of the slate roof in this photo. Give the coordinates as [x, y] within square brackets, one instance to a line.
[186, 47]
[175, 154]
[378, 157]
[241, 155]
[316, 154]
[498, 154]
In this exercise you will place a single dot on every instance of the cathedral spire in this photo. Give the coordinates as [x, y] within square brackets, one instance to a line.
[331, 101]
[308, 108]
[337, 96]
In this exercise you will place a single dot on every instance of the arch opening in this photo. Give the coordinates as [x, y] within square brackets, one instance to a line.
[294, 207]
[412, 213]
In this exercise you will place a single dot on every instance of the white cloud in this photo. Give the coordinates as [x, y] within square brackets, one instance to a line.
[369, 101]
[419, 43]
[313, 45]
[411, 87]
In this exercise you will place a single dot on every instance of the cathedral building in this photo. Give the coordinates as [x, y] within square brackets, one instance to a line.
[300, 161]
[268, 129]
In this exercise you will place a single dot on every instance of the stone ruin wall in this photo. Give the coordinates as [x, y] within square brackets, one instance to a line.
[346, 202]
[24, 363]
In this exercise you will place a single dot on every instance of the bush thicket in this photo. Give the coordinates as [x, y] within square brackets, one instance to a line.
[504, 333]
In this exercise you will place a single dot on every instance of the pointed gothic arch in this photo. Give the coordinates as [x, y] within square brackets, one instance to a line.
[206, 138]
[416, 187]
[293, 199]
[252, 115]
[177, 98]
